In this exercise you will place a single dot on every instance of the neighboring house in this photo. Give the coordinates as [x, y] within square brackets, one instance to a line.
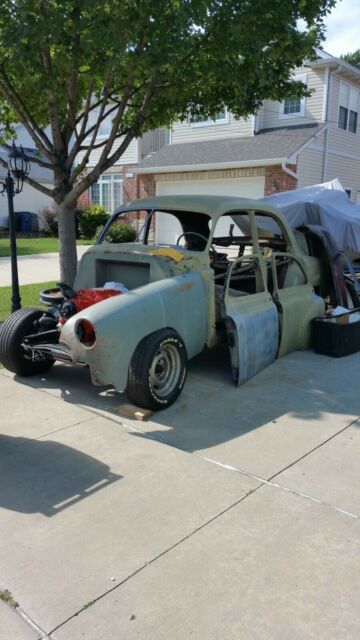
[289, 144]
[120, 184]
[29, 200]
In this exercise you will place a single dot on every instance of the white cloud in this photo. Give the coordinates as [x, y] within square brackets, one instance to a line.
[343, 28]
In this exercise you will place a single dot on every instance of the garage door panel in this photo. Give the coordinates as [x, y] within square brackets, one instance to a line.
[240, 187]
[168, 232]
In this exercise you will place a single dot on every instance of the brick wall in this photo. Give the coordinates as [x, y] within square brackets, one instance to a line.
[84, 199]
[277, 180]
[146, 186]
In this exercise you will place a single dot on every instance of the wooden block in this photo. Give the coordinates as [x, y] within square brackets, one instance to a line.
[131, 411]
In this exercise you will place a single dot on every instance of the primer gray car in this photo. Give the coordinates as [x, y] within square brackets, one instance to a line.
[201, 271]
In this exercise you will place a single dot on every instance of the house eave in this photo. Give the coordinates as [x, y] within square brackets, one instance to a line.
[210, 166]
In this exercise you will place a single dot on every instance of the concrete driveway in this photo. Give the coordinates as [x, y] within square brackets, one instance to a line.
[41, 267]
[233, 514]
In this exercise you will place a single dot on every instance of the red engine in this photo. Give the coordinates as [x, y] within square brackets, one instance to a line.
[75, 301]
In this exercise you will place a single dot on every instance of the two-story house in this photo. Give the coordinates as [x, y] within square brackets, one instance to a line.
[287, 145]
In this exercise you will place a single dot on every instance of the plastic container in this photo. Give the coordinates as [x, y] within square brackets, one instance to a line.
[337, 336]
[25, 222]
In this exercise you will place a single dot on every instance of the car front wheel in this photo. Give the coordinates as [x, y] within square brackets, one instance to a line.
[157, 370]
[12, 354]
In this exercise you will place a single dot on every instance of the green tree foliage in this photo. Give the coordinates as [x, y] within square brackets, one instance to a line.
[69, 64]
[353, 58]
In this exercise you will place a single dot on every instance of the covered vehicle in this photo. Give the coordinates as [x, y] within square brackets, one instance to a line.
[192, 279]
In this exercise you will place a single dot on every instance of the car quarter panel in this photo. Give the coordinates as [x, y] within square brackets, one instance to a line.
[121, 322]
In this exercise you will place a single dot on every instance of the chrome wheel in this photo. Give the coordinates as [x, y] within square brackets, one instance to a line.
[165, 370]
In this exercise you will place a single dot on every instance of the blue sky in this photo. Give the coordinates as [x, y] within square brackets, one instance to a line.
[343, 28]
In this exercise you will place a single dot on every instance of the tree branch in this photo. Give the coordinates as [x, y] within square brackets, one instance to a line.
[40, 187]
[10, 94]
[52, 104]
[31, 158]
[33, 183]
[107, 161]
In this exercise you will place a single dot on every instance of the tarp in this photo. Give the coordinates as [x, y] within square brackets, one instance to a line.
[327, 205]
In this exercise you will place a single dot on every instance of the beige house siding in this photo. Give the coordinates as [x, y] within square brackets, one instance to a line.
[339, 140]
[186, 132]
[309, 167]
[313, 105]
[347, 170]
[129, 157]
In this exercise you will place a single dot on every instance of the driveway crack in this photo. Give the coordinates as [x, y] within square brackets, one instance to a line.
[160, 555]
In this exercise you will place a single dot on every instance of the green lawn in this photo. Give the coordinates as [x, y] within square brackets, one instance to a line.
[29, 297]
[30, 246]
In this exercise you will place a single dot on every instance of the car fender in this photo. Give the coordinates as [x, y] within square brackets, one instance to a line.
[121, 322]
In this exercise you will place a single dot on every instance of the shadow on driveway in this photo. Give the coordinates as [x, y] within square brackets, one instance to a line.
[44, 476]
[211, 410]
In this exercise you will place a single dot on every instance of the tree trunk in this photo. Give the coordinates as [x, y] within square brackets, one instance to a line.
[67, 240]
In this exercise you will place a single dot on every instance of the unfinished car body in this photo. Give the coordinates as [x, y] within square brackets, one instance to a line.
[202, 270]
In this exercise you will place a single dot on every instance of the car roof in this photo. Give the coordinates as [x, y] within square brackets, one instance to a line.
[214, 206]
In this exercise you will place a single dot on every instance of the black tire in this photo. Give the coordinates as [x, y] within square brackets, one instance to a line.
[12, 355]
[157, 370]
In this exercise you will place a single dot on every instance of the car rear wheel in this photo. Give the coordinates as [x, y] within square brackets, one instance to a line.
[157, 370]
[12, 354]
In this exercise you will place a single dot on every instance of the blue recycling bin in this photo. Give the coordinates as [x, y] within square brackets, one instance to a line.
[25, 222]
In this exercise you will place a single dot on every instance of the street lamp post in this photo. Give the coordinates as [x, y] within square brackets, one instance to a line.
[18, 169]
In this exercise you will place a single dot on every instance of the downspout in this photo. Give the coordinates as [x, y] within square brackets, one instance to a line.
[325, 118]
[289, 172]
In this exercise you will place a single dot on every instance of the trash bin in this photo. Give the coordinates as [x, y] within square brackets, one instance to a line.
[27, 221]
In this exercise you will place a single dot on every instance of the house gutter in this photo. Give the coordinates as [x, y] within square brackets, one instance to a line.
[288, 171]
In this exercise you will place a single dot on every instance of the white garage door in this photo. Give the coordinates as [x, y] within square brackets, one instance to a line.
[167, 231]
[240, 187]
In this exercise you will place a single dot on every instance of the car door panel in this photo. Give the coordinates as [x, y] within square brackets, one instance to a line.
[252, 325]
[297, 304]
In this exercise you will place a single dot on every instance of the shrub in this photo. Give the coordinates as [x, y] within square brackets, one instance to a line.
[91, 218]
[120, 232]
[49, 221]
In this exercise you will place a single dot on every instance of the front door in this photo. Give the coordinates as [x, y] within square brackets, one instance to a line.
[251, 319]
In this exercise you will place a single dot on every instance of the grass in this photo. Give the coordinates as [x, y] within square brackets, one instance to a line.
[29, 294]
[7, 597]
[31, 246]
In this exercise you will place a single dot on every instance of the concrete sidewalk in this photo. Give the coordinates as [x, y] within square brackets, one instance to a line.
[246, 527]
[41, 267]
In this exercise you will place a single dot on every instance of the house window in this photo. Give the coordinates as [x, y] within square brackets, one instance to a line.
[222, 117]
[104, 127]
[349, 101]
[292, 106]
[108, 191]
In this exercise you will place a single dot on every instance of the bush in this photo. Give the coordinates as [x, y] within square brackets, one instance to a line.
[91, 218]
[120, 232]
[49, 222]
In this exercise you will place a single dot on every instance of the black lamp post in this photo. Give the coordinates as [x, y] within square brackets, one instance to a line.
[18, 168]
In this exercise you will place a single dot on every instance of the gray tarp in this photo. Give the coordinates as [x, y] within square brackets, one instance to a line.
[325, 204]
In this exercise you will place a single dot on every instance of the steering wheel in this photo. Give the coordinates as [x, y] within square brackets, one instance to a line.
[212, 252]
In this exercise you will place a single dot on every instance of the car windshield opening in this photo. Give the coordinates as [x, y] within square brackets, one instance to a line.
[186, 229]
